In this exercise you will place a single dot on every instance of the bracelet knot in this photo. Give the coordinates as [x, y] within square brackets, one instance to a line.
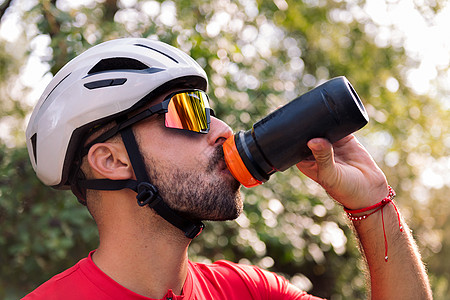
[374, 208]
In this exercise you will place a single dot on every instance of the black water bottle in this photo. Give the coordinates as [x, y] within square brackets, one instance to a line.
[332, 110]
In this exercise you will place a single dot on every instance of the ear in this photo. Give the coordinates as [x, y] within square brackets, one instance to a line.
[110, 160]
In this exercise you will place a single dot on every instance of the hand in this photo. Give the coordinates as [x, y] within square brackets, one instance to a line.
[346, 171]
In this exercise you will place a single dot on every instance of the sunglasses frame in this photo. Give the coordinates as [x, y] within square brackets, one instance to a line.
[160, 108]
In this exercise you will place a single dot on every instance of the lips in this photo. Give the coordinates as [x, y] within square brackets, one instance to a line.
[222, 165]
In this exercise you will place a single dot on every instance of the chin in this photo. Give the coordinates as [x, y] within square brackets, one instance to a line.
[222, 212]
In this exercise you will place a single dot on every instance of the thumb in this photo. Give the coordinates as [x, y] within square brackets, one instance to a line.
[323, 154]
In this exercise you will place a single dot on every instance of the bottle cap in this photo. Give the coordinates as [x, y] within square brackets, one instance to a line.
[236, 165]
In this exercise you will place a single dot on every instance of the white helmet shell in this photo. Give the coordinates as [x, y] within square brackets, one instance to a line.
[102, 83]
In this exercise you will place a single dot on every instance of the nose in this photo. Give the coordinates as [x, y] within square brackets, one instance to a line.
[219, 132]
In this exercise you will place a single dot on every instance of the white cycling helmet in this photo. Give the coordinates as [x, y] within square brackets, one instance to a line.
[106, 81]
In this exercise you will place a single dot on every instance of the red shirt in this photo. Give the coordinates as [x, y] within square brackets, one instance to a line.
[221, 280]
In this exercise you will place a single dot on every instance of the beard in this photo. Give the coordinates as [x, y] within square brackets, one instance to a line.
[198, 194]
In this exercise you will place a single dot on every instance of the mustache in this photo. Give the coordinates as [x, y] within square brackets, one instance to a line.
[217, 158]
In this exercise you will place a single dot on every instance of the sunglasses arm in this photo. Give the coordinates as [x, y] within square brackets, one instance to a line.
[159, 108]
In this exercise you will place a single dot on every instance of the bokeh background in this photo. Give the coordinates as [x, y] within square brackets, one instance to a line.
[259, 54]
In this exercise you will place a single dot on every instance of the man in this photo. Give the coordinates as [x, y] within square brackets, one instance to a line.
[129, 119]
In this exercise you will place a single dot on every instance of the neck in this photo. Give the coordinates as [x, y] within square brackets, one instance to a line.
[142, 252]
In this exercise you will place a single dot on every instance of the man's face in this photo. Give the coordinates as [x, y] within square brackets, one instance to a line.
[189, 169]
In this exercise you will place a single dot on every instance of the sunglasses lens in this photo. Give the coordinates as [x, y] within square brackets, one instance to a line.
[190, 111]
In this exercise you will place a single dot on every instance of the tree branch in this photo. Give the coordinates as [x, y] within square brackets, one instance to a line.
[4, 7]
[110, 9]
[60, 51]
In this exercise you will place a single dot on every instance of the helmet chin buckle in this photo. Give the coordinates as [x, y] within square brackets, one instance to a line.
[194, 230]
[147, 194]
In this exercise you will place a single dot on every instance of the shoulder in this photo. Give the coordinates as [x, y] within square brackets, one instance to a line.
[242, 272]
[58, 284]
[257, 282]
[236, 271]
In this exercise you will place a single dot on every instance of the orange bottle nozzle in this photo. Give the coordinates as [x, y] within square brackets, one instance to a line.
[236, 165]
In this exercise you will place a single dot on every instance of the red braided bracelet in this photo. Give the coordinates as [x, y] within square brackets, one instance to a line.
[376, 207]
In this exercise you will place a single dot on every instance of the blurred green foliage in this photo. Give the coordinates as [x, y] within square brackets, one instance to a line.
[258, 55]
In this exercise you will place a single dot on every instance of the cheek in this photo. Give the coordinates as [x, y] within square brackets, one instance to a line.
[181, 153]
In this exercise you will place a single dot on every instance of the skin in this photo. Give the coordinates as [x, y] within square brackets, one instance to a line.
[349, 174]
[132, 236]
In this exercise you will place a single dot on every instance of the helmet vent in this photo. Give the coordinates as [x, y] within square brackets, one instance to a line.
[156, 50]
[33, 144]
[118, 63]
